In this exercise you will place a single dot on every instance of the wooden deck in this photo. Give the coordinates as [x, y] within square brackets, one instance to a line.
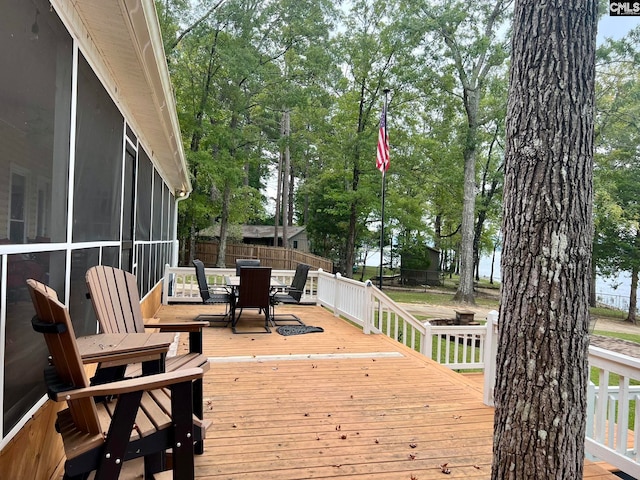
[337, 405]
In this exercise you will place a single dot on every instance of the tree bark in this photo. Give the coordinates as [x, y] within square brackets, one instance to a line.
[286, 170]
[633, 297]
[224, 224]
[279, 185]
[542, 371]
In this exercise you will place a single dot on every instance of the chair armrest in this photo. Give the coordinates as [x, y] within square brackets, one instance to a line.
[187, 326]
[149, 382]
[218, 289]
[194, 328]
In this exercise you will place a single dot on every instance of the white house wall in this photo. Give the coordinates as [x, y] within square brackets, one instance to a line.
[120, 41]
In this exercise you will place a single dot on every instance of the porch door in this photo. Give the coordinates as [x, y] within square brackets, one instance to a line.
[128, 209]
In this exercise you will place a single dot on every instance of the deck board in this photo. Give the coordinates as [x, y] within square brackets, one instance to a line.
[328, 405]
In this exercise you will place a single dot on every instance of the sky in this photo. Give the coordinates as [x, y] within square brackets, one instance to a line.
[615, 27]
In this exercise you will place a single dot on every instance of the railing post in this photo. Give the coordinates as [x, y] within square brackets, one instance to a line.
[427, 341]
[490, 354]
[166, 282]
[318, 296]
[336, 295]
[368, 306]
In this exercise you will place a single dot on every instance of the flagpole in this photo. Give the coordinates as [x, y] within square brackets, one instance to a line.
[384, 172]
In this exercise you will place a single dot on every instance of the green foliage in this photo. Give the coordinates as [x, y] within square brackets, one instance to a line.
[617, 170]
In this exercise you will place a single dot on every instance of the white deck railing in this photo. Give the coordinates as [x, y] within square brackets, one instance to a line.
[180, 284]
[459, 347]
[609, 436]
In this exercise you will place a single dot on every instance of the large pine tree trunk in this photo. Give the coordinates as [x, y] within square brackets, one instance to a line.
[633, 297]
[224, 227]
[542, 369]
[465, 293]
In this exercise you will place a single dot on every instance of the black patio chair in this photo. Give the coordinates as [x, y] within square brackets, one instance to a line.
[246, 262]
[254, 291]
[213, 295]
[291, 295]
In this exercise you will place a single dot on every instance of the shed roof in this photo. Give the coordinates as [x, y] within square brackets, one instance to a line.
[255, 231]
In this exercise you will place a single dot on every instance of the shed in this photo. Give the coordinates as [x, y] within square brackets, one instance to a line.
[264, 235]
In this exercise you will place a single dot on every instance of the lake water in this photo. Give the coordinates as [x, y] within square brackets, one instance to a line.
[613, 291]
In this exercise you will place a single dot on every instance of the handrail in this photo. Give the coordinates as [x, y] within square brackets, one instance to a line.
[462, 347]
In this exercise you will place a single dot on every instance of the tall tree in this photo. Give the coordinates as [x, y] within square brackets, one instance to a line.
[473, 48]
[542, 369]
[227, 70]
[617, 217]
[367, 50]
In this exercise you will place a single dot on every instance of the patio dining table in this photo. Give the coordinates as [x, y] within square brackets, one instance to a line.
[233, 281]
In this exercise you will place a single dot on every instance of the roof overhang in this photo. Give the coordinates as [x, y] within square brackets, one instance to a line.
[121, 40]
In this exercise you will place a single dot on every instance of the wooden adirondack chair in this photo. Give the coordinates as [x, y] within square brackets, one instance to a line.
[106, 425]
[116, 302]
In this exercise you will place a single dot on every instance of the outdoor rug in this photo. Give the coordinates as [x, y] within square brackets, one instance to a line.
[297, 329]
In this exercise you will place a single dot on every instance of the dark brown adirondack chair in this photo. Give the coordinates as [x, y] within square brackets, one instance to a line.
[106, 425]
[116, 302]
[254, 291]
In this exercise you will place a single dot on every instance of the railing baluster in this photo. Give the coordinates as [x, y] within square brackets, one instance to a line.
[611, 415]
[623, 415]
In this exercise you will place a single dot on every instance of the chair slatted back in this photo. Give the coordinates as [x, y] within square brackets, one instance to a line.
[299, 281]
[61, 341]
[115, 299]
[254, 288]
[203, 286]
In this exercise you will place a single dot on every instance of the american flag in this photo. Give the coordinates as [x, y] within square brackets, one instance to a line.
[382, 159]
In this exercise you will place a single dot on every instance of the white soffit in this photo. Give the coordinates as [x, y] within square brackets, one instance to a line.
[121, 39]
